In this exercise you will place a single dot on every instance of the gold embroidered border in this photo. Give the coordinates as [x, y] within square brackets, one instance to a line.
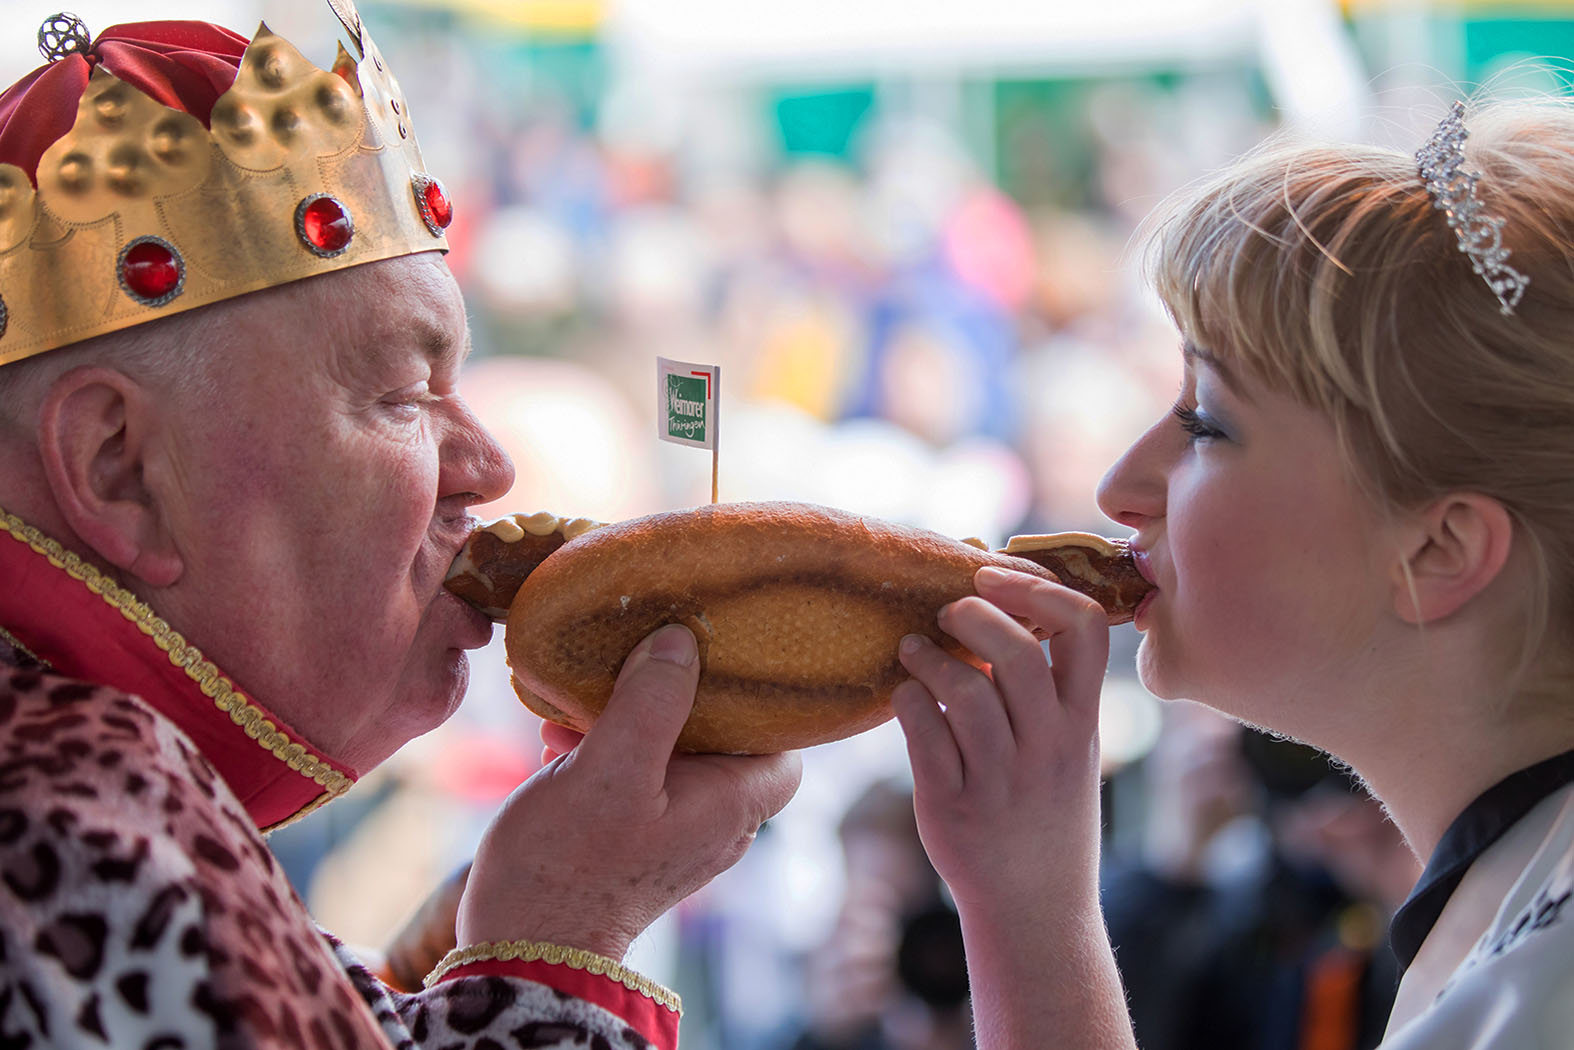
[541, 951]
[16, 643]
[188, 658]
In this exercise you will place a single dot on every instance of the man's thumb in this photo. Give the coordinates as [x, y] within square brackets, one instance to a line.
[651, 700]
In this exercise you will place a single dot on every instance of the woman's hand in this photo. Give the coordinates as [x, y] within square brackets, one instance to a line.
[1006, 790]
[1005, 759]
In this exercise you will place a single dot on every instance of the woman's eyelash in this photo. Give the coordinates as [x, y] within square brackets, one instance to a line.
[1194, 424]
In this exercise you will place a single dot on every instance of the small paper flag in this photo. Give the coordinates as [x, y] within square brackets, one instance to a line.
[687, 397]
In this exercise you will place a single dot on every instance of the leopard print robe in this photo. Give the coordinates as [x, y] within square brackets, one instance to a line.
[141, 908]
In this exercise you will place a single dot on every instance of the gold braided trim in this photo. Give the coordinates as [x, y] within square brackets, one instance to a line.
[541, 951]
[188, 658]
[16, 643]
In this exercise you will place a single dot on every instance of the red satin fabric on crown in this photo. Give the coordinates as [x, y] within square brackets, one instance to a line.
[184, 65]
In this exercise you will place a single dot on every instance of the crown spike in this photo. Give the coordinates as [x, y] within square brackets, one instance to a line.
[347, 69]
[350, 18]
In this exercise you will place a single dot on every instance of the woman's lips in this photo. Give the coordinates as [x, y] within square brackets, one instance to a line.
[1139, 614]
[1144, 569]
[1139, 557]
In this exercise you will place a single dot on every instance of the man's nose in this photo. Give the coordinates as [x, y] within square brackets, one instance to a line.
[474, 460]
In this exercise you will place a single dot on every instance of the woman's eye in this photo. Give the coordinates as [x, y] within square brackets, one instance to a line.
[1195, 424]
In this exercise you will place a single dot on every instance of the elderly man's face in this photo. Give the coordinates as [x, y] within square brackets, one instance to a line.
[324, 493]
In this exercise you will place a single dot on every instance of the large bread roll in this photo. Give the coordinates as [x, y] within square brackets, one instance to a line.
[797, 609]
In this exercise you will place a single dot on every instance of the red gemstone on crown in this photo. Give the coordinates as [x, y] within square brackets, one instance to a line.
[437, 201]
[151, 270]
[437, 211]
[324, 224]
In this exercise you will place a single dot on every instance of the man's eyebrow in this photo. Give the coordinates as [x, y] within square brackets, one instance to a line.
[1193, 352]
[439, 344]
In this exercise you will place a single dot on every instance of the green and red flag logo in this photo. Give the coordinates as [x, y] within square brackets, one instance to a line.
[687, 399]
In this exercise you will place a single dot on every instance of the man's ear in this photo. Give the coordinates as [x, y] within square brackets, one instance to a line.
[1455, 548]
[96, 429]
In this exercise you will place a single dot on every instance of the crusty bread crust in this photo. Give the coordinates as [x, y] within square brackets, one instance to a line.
[797, 609]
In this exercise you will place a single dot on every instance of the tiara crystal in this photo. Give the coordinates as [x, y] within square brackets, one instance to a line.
[1453, 191]
[140, 211]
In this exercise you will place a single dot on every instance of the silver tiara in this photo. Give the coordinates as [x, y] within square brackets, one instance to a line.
[1453, 190]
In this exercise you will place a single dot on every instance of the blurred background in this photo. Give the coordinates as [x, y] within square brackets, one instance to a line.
[905, 230]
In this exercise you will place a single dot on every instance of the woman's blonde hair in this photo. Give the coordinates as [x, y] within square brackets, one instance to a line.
[1328, 273]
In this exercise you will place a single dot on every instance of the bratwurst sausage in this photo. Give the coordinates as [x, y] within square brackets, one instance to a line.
[797, 609]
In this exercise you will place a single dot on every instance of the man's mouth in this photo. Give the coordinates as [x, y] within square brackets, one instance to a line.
[475, 628]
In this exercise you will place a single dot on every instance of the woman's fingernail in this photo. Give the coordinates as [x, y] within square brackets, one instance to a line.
[911, 643]
[990, 574]
[674, 643]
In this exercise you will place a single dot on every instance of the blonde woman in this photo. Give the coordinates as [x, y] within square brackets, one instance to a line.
[1360, 521]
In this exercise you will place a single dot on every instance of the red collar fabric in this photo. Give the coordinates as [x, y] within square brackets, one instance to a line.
[72, 617]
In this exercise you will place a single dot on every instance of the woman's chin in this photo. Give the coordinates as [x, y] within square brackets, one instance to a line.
[1155, 676]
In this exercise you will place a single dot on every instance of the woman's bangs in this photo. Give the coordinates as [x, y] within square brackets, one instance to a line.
[1227, 276]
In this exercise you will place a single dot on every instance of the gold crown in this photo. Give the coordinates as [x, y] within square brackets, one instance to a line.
[140, 212]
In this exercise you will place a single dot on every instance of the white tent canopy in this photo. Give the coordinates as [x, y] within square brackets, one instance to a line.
[769, 37]
[1307, 58]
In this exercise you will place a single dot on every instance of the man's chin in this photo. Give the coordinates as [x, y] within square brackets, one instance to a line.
[416, 710]
[449, 686]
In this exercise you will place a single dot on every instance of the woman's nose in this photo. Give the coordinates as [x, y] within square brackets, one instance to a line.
[1132, 490]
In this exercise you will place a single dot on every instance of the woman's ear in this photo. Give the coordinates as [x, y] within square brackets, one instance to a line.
[97, 428]
[1454, 548]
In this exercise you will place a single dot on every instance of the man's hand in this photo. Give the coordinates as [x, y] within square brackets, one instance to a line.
[596, 846]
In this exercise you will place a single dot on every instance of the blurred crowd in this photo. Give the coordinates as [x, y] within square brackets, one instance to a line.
[899, 331]
[905, 331]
